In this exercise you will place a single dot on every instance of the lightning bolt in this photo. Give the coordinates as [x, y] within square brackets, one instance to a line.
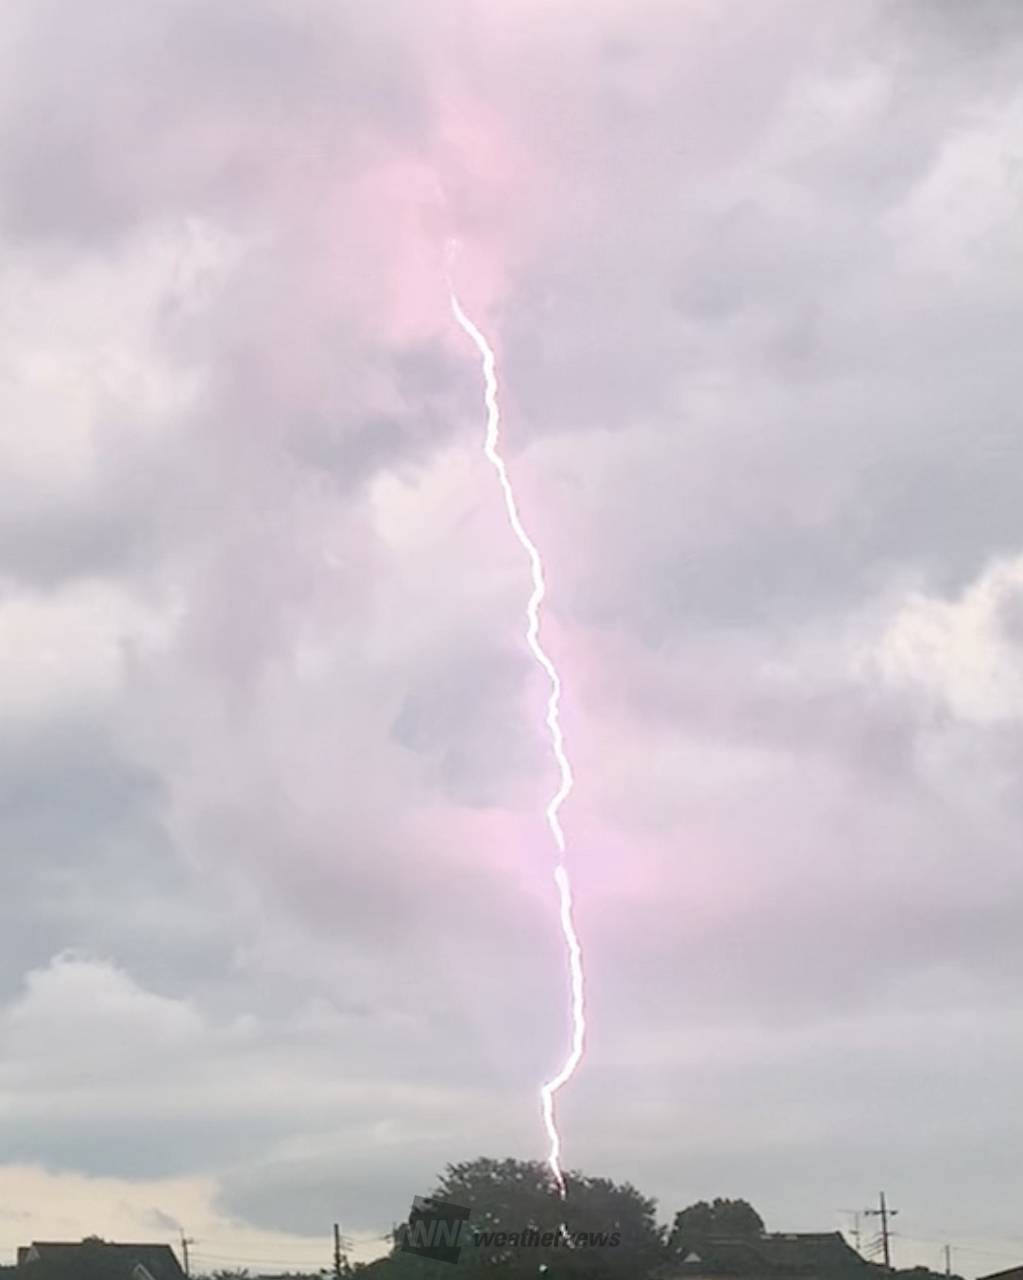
[491, 449]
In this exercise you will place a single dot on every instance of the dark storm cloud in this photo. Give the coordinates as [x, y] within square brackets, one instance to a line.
[49, 547]
[463, 719]
[89, 866]
[114, 116]
[750, 273]
[781, 338]
[301, 1195]
[434, 393]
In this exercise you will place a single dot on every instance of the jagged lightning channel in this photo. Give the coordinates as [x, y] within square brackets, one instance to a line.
[492, 451]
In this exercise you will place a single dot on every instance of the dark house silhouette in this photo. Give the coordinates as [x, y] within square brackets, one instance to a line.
[771, 1256]
[96, 1260]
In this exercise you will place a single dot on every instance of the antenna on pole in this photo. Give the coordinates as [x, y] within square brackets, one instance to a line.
[855, 1214]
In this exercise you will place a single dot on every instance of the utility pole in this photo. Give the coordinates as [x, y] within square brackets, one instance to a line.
[948, 1260]
[185, 1242]
[884, 1213]
[342, 1268]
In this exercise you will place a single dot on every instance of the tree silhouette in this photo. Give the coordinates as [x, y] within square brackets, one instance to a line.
[736, 1219]
[516, 1196]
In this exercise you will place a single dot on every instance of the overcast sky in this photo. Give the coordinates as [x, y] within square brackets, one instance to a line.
[278, 931]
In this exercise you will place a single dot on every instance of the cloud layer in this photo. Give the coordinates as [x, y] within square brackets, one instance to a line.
[278, 923]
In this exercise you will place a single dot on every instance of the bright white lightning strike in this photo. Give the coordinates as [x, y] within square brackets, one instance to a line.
[561, 879]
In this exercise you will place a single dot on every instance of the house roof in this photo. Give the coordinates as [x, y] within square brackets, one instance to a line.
[1012, 1273]
[98, 1260]
[815, 1254]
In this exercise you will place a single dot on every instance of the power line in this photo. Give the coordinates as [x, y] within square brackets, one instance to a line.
[958, 1246]
[307, 1263]
[269, 1265]
[268, 1253]
[229, 1253]
[855, 1214]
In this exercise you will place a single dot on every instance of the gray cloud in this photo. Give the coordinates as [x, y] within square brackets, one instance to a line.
[273, 766]
[114, 118]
